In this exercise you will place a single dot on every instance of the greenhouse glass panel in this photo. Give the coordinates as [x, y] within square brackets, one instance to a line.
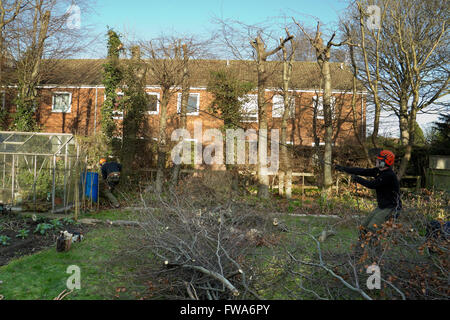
[40, 171]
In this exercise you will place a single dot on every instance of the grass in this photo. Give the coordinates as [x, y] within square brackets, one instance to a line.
[43, 275]
[273, 261]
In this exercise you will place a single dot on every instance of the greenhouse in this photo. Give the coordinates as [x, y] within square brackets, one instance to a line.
[41, 171]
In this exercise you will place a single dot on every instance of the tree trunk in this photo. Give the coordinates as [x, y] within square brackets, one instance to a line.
[30, 73]
[263, 177]
[285, 172]
[404, 123]
[183, 109]
[411, 131]
[327, 177]
[162, 144]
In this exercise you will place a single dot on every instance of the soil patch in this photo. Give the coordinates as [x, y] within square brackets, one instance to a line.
[13, 226]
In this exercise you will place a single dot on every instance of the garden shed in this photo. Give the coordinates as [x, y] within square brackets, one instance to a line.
[40, 171]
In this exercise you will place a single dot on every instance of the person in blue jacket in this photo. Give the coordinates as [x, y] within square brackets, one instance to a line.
[111, 177]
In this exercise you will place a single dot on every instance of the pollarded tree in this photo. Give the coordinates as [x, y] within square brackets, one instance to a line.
[166, 68]
[285, 172]
[261, 56]
[323, 56]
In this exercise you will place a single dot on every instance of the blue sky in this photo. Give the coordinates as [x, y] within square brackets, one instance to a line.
[149, 18]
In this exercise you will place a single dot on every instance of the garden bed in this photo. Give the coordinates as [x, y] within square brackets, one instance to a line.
[20, 236]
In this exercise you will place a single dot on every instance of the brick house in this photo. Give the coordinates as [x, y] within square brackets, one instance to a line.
[71, 95]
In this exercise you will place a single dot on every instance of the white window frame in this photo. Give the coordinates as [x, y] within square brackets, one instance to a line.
[320, 106]
[189, 113]
[278, 106]
[253, 101]
[53, 102]
[157, 102]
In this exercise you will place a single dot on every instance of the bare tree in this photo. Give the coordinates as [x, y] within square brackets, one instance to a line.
[323, 56]
[405, 59]
[355, 70]
[185, 88]
[261, 56]
[41, 34]
[285, 172]
[8, 12]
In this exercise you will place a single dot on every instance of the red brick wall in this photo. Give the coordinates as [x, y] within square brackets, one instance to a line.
[84, 116]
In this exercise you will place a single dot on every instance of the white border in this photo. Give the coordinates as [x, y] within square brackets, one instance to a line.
[53, 102]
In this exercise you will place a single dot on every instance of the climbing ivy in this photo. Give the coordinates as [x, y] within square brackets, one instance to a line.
[112, 76]
[229, 94]
[24, 118]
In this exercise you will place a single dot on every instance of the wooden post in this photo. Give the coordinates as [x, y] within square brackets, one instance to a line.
[77, 199]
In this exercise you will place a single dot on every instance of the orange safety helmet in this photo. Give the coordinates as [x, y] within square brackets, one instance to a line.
[387, 157]
[102, 161]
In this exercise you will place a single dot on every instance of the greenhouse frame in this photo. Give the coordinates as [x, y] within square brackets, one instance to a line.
[40, 171]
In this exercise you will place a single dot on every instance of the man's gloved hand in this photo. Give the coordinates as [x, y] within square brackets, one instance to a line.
[339, 168]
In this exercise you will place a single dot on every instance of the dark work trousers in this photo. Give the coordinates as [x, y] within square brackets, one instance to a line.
[108, 187]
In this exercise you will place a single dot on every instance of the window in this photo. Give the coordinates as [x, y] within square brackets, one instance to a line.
[62, 102]
[320, 114]
[153, 103]
[250, 108]
[117, 114]
[193, 107]
[278, 107]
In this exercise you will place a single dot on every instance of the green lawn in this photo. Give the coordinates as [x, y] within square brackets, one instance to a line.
[43, 275]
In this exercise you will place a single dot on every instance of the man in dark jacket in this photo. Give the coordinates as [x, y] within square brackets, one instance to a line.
[111, 177]
[387, 188]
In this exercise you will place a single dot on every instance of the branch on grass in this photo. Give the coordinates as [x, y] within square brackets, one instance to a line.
[215, 275]
[324, 267]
